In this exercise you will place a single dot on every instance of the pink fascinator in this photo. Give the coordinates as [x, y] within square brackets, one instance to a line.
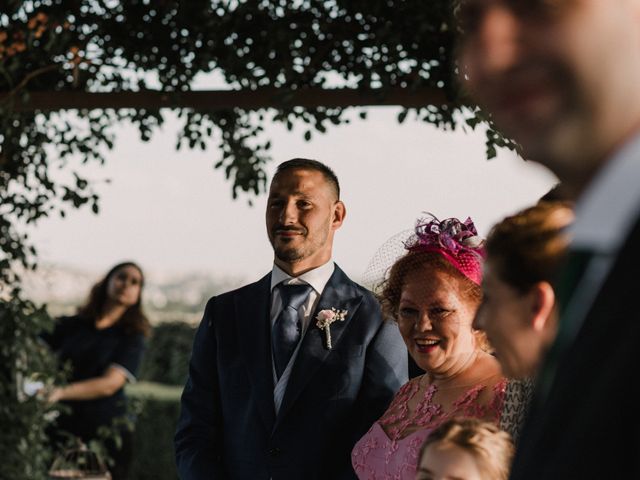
[458, 242]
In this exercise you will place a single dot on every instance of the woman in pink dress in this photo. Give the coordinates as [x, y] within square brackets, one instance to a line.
[433, 293]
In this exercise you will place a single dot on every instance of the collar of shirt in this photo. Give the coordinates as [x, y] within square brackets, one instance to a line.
[317, 278]
[607, 210]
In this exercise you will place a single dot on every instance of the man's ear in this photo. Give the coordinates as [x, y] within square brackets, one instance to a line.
[339, 212]
[543, 300]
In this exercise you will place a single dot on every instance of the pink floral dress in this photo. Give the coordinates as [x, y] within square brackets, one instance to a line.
[390, 455]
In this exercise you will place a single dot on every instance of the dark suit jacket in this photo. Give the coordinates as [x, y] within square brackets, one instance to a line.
[588, 425]
[228, 428]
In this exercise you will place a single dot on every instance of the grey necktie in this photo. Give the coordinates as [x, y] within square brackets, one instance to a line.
[287, 329]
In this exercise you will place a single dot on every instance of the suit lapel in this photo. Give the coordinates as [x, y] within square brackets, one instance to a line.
[341, 294]
[252, 306]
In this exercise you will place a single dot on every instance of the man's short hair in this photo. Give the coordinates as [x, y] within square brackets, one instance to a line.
[309, 164]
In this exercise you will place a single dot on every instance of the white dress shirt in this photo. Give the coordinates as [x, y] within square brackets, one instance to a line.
[317, 278]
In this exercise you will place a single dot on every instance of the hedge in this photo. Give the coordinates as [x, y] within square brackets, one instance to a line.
[153, 457]
[162, 375]
[166, 359]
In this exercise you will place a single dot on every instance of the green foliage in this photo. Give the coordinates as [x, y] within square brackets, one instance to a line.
[494, 138]
[166, 359]
[23, 418]
[153, 457]
[103, 45]
[27, 188]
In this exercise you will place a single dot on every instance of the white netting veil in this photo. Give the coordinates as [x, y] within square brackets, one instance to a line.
[377, 270]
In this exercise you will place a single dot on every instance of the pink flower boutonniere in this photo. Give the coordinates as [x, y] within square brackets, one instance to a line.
[324, 320]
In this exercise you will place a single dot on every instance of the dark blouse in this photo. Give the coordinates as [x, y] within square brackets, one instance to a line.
[91, 352]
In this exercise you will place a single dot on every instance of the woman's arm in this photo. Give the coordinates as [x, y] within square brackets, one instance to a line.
[98, 387]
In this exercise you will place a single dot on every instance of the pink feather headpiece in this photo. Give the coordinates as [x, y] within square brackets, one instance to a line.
[456, 241]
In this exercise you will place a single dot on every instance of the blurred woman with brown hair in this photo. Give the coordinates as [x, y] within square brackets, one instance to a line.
[103, 344]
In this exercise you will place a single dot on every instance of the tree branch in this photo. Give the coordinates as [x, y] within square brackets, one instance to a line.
[208, 100]
[5, 97]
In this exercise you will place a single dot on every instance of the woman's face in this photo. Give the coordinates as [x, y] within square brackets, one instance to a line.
[506, 315]
[123, 287]
[443, 461]
[435, 318]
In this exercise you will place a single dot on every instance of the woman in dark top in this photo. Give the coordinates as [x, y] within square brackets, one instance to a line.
[103, 343]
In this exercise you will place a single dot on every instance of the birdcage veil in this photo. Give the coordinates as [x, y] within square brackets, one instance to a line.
[457, 241]
[390, 251]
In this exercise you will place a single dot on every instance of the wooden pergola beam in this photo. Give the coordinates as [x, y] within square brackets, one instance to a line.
[226, 99]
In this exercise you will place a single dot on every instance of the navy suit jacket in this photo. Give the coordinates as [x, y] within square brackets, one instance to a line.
[587, 428]
[228, 428]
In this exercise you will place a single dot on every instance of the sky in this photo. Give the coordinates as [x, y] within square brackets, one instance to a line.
[173, 213]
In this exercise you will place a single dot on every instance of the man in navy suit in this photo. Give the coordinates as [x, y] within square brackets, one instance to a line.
[271, 394]
[561, 77]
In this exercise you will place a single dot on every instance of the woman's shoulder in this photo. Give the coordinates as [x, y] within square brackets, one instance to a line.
[487, 363]
[63, 328]
[128, 339]
[402, 396]
[69, 321]
[485, 374]
[488, 373]
[486, 390]
[412, 385]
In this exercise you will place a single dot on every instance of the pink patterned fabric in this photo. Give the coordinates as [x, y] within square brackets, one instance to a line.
[386, 453]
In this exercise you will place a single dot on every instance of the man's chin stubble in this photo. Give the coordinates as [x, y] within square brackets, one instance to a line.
[289, 255]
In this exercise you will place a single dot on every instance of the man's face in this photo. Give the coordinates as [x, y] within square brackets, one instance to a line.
[559, 76]
[303, 213]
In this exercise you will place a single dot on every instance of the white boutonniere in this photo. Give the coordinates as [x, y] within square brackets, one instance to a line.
[324, 320]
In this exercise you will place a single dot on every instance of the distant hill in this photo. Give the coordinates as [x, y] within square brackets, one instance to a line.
[167, 296]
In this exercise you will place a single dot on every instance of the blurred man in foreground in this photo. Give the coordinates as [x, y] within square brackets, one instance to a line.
[561, 78]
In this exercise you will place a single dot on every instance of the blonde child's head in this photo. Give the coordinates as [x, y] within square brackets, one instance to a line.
[466, 449]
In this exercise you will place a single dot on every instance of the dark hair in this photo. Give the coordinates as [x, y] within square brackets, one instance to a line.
[528, 247]
[409, 263]
[308, 164]
[133, 319]
[491, 447]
